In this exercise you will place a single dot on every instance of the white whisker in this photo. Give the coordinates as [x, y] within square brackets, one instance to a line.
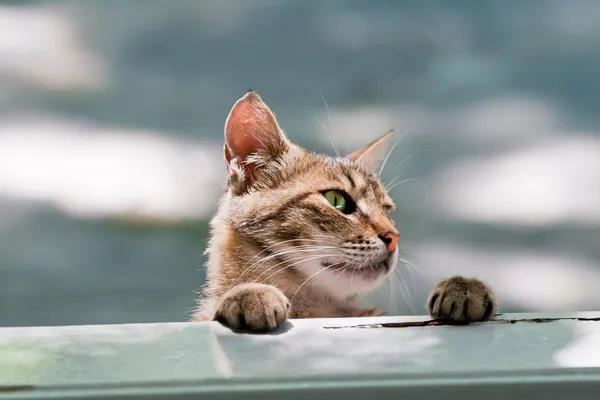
[406, 293]
[412, 266]
[390, 183]
[404, 133]
[309, 278]
[396, 287]
[273, 245]
[287, 251]
[388, 283]
[400, 183]
[385, 160]
[302, 259]
[406, 159]
[330, 125]
[328, 135]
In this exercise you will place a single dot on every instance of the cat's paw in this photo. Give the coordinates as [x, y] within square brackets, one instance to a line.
[253, 307]
[462, 300]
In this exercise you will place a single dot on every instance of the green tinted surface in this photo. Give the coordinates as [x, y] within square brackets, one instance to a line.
[307, 357]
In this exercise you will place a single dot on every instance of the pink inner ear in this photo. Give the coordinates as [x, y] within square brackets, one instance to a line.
[240, 129]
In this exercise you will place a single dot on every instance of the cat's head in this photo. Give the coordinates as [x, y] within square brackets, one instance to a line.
[326, 217]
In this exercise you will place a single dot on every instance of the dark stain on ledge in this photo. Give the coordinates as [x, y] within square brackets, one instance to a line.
[15, 388]
[544, 320]
[447, 322]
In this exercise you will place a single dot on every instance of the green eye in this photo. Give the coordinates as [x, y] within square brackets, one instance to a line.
[338, 200]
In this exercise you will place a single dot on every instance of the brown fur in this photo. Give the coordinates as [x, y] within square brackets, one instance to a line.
[279, 250]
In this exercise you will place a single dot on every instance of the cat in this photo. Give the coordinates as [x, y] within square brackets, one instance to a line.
[302, 235]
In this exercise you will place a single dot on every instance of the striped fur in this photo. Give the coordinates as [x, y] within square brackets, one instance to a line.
[278, 249]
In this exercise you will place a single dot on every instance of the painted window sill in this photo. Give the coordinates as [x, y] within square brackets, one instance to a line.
[544, 356]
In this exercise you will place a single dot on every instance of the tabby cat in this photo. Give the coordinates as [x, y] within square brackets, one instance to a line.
[302, 235]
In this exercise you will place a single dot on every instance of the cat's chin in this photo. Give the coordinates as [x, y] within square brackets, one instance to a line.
[371, 271]
[345, 281]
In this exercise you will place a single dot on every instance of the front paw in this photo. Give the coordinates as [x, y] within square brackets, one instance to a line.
[253, 307]
[462, 300]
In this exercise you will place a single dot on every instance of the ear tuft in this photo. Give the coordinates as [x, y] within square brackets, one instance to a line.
[252, 135]
[373, 154]
[251, 129]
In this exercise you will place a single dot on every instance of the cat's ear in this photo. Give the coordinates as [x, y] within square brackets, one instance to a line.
[372, 155]
[252, 135]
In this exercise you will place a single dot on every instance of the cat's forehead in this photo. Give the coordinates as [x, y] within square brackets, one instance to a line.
[352, 177]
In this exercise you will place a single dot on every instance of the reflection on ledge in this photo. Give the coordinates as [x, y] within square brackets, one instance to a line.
[539, 354]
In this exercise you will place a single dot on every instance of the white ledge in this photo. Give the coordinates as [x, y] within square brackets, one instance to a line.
[529, 355]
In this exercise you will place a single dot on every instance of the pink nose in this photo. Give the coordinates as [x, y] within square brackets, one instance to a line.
[390, 239]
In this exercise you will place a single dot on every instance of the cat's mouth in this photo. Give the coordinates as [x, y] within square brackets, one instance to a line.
[372, 271]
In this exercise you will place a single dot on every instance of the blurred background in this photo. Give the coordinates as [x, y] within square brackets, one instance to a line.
[111, 121]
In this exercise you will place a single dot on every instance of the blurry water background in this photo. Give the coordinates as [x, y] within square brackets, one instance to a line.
[111, 121]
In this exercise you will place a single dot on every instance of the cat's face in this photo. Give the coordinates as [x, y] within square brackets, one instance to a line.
[325, 217]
